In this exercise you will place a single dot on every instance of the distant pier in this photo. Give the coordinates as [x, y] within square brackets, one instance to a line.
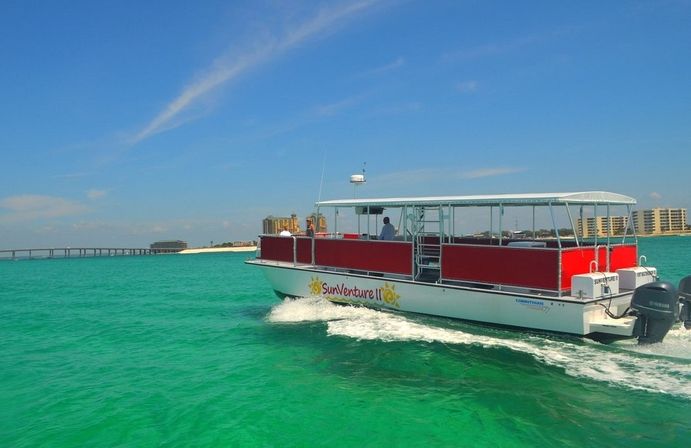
[77, 252]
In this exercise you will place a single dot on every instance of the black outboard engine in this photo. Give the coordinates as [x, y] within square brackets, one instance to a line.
[685, 301]
[657, 308]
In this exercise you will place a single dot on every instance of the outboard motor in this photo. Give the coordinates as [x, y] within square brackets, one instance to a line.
[685, 301]
[657, 308]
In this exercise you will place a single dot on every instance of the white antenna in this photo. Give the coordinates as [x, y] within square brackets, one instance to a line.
[321, 182]
[358, 179]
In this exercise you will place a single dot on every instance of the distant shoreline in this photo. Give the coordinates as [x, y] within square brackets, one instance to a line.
[645, 235]
[205, 250]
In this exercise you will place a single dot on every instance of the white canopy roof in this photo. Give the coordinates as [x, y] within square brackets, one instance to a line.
[579, 198]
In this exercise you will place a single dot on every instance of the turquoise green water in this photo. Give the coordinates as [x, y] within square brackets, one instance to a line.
[197, 351]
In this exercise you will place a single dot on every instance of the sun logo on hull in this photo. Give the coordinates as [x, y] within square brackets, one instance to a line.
[389, 295]
[315, 286]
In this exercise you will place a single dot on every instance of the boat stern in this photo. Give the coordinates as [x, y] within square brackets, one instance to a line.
[606, 329]
[648, 315]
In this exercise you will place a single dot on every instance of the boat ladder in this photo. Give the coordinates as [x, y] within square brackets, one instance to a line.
[427, 227]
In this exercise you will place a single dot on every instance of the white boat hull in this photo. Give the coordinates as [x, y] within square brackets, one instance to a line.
[493, 306]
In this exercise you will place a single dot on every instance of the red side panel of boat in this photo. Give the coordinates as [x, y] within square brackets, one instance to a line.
[304, 250]
[623, 257]
[524, 267]
[377, 256]
[278, 248]
[576, 261]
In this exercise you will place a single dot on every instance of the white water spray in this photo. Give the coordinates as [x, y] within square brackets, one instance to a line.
[651, 368]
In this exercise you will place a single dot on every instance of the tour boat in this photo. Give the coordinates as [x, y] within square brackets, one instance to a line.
[583, 277]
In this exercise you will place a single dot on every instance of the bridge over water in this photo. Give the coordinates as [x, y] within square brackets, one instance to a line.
[76, 252]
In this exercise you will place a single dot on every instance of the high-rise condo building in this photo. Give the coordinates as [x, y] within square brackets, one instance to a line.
[660, 220]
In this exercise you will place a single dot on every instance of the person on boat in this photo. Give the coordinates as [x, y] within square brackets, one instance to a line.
[285, 232]
[388, 231]
[309, 231]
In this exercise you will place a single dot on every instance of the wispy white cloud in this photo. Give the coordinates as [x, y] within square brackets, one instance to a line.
[467, 86]
[96, 194]
[227, 68]
[409, 176]
[396, 64]
[159, 229]
[400, 108]
[489, 172]
[513, 45]
[32, 207]
[308, 117]
[655, 195]
[120, 228]
[90, 226]
[430, 175]
[491, 49]
[71, 175]
[338, 106]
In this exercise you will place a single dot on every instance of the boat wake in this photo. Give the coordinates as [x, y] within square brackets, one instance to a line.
[677, 344]
[661, 368]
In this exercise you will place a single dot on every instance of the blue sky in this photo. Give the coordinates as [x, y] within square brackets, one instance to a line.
[123, 123]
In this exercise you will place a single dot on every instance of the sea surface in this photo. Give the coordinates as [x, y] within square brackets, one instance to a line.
[196, 350]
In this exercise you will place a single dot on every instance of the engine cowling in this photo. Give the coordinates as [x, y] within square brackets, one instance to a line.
[685, 301]
[657, 307]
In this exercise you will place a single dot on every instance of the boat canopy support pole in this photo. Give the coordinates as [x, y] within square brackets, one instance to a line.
[501, 215]
[368, 224]
[633, 226]
[452, 224]
[595, 221]
[609, 232]
[554, 225]
[335, 221]
[316, 228]
[573, 227]
[295, 251]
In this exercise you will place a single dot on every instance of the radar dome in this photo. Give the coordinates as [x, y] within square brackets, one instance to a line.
[357, 179]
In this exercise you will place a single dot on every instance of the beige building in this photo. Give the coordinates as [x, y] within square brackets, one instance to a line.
[272, 225]
[598, 226]
[319, 222]
[660, 220]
